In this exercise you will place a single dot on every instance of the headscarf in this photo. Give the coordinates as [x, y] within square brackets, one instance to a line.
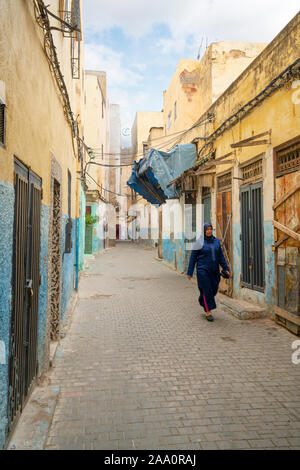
[211, 238]
[198, 245]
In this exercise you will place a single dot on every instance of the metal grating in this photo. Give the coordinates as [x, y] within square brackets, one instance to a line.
[224, 182]
[206, 191]
[2, 123]
[25, 286]
[252, 237]
[71, 15]
[252, 172]
[288, 159]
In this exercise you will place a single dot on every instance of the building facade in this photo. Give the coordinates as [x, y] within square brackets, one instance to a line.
[40, 95]
[250, 154]
[96, 135]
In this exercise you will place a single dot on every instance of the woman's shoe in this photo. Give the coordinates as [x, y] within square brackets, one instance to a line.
[209, 318]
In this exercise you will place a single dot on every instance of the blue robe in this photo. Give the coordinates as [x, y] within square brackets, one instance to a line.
[208, 259]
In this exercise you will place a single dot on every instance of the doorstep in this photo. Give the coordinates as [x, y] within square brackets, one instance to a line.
[241, 308]
[33, 427]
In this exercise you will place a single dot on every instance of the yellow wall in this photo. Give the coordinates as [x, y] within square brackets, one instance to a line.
[156, 138]
[143, 122]
[278, 112]
[35, 122]
[195, 85]
[95, 126]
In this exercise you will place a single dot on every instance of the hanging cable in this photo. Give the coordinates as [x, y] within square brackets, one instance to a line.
[94, 150]
[108, 190]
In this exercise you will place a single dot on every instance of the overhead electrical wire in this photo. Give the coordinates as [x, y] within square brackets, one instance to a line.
[177, 138]
[104, 189]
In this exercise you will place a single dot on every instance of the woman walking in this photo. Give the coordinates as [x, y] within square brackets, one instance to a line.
[208, 255]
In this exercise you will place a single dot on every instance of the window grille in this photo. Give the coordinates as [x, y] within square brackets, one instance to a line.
[288, 159]
[70, 13]
[2, 123]
[206, 191]
[252, 172]
[252, 237]
[224, 182]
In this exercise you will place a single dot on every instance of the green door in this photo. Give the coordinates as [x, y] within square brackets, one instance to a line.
[88, 250]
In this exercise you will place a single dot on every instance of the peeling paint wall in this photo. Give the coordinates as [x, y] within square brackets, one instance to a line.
[43, 313]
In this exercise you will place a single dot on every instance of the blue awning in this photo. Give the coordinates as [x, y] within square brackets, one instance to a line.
[146, 185]
[150, 176]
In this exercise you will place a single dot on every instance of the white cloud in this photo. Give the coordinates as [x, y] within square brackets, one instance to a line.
[190, 23]
[100, 57]
[250, 20]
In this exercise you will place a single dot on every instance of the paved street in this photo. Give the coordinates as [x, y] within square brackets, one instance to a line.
[141, 368]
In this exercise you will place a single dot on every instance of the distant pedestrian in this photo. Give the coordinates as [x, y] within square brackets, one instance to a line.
[207, 254]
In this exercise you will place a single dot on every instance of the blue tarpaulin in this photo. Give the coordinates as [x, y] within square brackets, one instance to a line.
[150, 176]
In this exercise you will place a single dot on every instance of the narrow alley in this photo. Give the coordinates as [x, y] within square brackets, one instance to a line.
[141, 368]
[149, 151]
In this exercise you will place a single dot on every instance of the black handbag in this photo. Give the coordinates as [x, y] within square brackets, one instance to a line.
[225, 274]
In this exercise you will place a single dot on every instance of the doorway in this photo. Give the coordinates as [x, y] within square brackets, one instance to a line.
[23, 364]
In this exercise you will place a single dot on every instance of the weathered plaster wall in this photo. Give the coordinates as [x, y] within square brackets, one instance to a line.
[144, 121]
[229, 59]
[43, 313]
[6, 253]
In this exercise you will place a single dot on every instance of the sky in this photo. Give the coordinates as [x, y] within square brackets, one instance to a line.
[140, 42]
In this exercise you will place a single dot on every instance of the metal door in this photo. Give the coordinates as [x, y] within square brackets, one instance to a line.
[25, 289]
[252, 238]
[88, 250]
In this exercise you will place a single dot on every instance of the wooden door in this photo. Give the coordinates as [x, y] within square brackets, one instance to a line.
[287, 235]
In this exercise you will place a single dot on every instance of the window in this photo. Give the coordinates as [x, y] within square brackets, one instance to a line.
[288, 159]
[69, 11]
[65, 10]
[2, 123]
[145, 150]
[175, 110]
[169, 120]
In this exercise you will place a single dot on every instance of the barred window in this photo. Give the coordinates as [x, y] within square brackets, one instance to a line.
[252, 172]
[2, 123]
[288, 159]
[224, 182]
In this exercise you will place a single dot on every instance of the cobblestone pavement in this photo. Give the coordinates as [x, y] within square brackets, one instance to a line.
[141, 368]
